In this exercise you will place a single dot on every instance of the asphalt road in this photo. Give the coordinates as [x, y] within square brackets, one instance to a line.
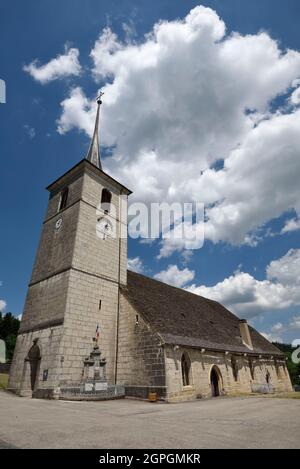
[216, 423]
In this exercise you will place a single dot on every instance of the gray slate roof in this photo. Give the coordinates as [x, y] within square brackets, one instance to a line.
[183, 318]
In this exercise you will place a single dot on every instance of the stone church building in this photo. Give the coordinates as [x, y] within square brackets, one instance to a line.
[155, 338]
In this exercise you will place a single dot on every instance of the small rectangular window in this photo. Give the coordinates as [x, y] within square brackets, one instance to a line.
[100, 304]
[137, 319]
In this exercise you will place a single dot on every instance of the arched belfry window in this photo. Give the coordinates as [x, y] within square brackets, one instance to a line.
[105, 200]
[185, 369]
[64, 199]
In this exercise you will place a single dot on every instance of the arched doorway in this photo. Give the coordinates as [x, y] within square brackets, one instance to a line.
[34, 358]
[215, 381]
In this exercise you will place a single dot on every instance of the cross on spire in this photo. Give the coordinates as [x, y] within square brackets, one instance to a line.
[99, 100]
[93, 155]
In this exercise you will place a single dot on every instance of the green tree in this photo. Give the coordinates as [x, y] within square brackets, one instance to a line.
[293, 368]
[9, 327]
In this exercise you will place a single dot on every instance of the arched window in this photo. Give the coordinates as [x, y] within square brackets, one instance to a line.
[251, 367]
[278, 369]
[64, 199]
[235, 369]
[105, 200]
[185, 369]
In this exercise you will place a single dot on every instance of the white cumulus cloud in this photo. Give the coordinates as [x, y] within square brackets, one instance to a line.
[174, 276]
[78, 111]
[286, 270]
[249, 297]
[292, 325]
[62, 66]
[295, 97]
[291, 225]
[185, 97]
[272, 337]
[295, 322]
[278, 327]
[136, 265]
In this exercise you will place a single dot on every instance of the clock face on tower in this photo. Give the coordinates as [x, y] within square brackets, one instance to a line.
[58, 224]
[104, 228]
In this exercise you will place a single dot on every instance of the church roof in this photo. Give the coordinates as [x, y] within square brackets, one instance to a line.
[183, 318]
[78, 169]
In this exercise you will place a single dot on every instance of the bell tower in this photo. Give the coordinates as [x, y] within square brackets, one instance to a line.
[80, 264]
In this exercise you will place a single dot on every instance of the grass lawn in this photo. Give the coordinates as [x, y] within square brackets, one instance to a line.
[287, 395]
[3, 381]
[283, 395]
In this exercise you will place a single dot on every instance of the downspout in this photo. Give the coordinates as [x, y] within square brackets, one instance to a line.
[118, 304]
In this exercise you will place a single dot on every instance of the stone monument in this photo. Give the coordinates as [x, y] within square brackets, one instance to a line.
[94, 385]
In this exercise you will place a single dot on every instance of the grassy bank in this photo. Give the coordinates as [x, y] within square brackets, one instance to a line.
[3, 381]
[287, 395]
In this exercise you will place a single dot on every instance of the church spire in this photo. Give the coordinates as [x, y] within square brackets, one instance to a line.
[93, 154]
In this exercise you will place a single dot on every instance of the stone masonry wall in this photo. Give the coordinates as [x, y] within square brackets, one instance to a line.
[74, 184]
[56, 247]
[91, 253]
[141, 365]
[83, 314]
[46, 302]
[49, 341]
[201, 365]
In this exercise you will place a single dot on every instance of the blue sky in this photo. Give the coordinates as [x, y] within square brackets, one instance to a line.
[249, 264]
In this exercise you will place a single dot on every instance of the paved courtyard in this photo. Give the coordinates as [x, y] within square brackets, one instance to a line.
[216, 423]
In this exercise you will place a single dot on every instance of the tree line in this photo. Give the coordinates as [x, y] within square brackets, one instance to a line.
[294, 368]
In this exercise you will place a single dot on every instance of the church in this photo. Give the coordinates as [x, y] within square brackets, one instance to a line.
[155, 339]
